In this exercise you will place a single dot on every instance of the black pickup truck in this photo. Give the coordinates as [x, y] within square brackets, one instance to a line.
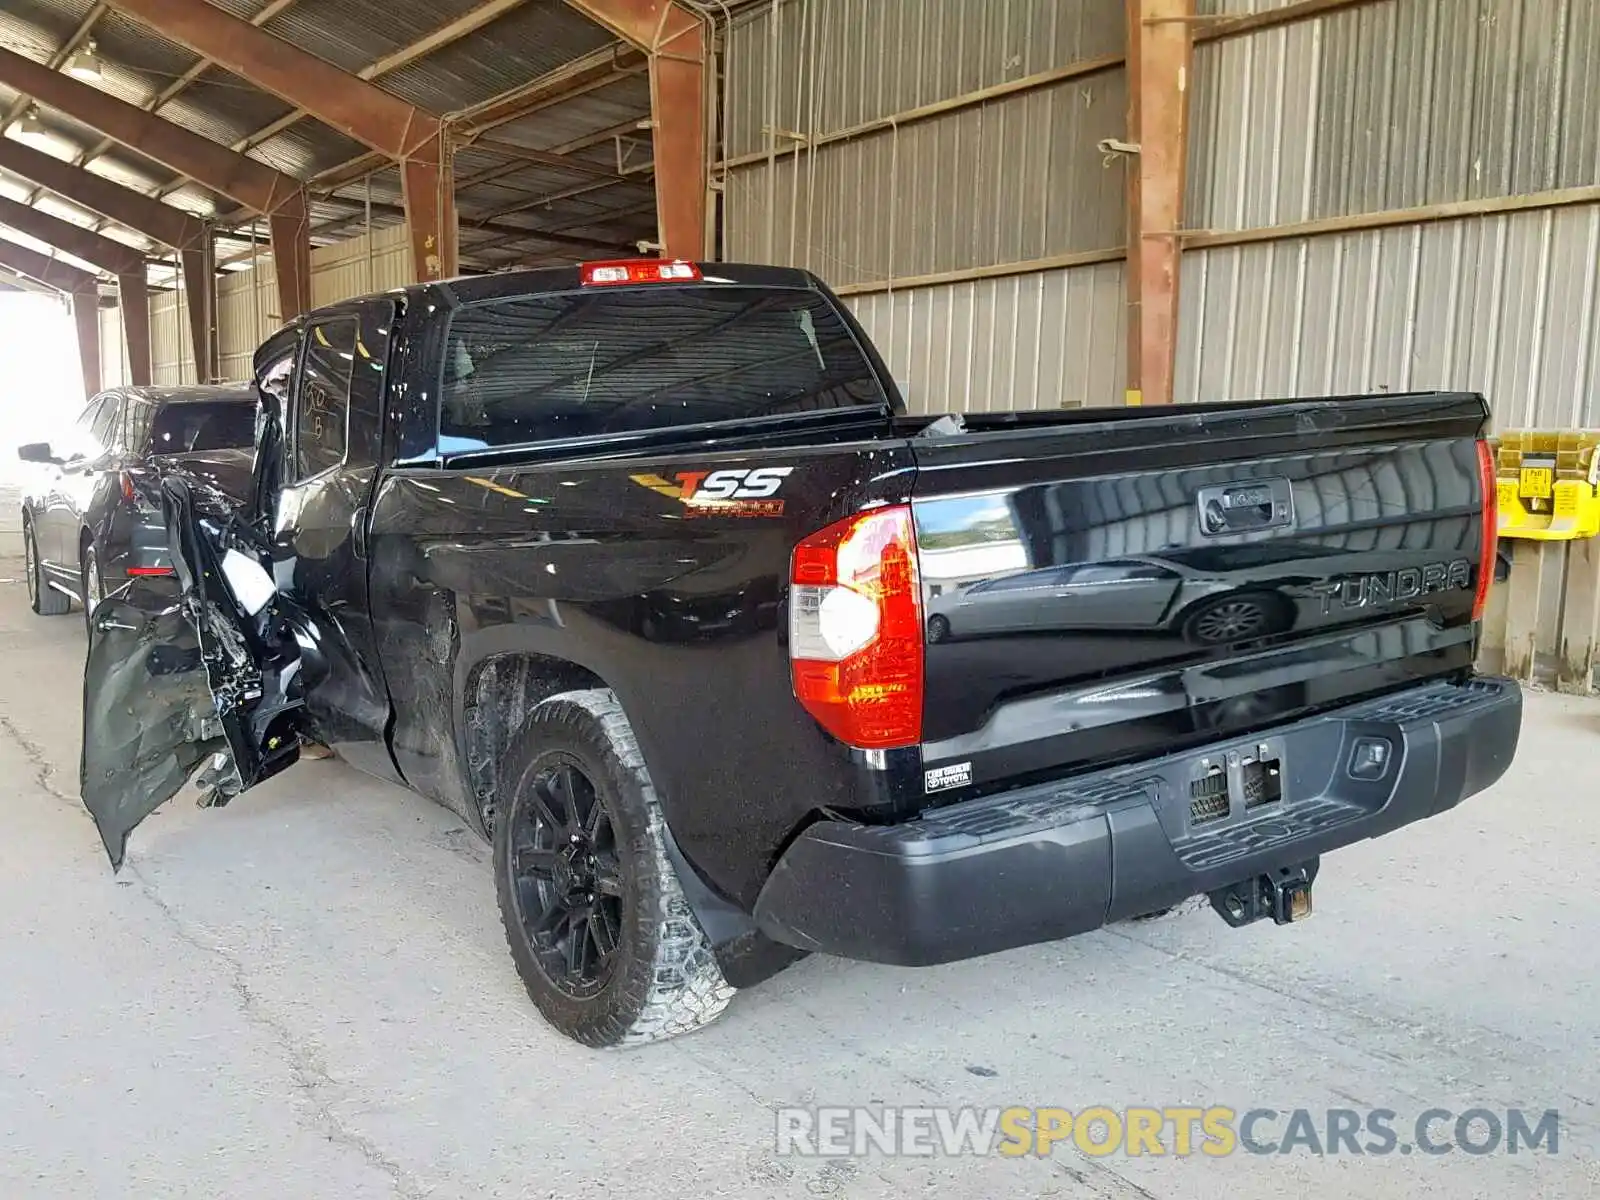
[642, 569]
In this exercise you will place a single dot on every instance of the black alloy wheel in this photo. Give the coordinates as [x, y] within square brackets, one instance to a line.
[566, 876]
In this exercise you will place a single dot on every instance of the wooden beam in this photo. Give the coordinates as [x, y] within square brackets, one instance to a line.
[1580, 618]
[1523, 588]
[86, 316]
[1453, 210]
[412, 136]
[1160, 53]
[1216, 29]
[1057, 262]
[157, 221]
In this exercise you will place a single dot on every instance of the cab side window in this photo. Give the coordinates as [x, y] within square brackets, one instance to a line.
[322, 402]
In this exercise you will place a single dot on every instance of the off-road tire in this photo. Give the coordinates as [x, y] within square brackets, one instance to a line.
[664, 980]
[42, 598]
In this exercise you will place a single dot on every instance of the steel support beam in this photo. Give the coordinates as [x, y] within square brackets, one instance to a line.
[679, 44]
[126, 263]
[410, 135]
[253, 184]
[83, 289]
[133, 297]
[59, 58]
[292, 231]
[157, 221]
[51, 272]
[199, 270]
[1160, 52]
[106, 253]
[86, 316]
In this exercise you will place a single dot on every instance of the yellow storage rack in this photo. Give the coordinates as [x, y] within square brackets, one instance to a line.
[1546, 484]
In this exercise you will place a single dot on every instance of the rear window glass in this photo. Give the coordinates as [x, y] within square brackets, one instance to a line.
[579, 364]
[197, 425]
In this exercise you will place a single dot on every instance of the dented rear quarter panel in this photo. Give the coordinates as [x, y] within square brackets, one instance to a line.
[604, 565]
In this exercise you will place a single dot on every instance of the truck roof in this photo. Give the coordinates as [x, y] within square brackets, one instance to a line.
[471, 289]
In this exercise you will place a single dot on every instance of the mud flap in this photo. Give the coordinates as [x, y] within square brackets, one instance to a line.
[214, 678]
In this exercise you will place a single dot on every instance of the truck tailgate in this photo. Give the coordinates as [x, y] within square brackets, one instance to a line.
[1118, 584]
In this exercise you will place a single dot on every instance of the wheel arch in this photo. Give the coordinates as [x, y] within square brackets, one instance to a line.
[500, 691]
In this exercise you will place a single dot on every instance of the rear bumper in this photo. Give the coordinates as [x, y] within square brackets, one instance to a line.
[1053, 860]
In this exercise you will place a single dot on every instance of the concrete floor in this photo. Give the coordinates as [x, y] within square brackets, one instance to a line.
[306, 995]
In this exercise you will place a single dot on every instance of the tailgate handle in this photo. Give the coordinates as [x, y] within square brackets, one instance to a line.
[1243, 507]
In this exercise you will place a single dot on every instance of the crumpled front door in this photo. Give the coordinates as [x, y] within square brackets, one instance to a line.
[212, 679]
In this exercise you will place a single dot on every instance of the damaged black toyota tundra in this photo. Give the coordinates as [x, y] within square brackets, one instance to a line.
[642, 569]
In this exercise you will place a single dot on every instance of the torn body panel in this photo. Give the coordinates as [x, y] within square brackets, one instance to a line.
[215, 677]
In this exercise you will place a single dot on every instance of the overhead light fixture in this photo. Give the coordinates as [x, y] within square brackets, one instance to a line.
[31, 127]
[85, 63]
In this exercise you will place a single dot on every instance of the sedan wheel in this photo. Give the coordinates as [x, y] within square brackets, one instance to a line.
[42, 598]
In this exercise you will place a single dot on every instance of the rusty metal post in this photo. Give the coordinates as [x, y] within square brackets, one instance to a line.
[86, 316]
[133, 295]
[290, 231]
[1160, 51]
[427, 183]
[678, 41]
[197, 292]
[678, 96]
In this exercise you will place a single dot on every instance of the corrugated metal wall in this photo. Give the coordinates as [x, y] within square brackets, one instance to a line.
[1395, 104]
[1041, 340]
[1015, 178]
[1386, 106]
[247, 302]
[171, 353]
[113, 355]
[1506, 305]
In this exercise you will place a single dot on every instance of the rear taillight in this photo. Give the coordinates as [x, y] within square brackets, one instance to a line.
[642, 270]
[139, 571]
[855, 629]
[128, 493]
[1491, 529]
